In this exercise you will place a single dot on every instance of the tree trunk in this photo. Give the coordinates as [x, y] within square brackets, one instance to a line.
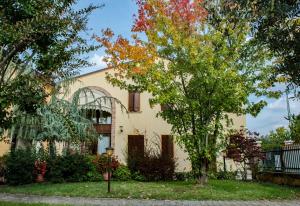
[213, 165]
[202, 180]
[82, 147]
[201, 171]
[52, 148]
[245, 172]
[13, 144]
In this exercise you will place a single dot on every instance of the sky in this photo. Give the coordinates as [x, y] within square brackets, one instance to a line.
[118, 16]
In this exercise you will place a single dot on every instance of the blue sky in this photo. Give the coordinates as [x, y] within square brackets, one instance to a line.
[118, 15]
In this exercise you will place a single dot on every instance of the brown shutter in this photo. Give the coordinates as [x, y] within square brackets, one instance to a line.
[163, 107]
[167, 146]
[131, 101]
[135, 146]
[136, 101]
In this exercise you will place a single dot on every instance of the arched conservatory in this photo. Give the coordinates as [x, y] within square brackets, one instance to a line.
[98, 106]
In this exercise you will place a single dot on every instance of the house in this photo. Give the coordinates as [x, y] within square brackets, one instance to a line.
[133, 131]
[140, 127]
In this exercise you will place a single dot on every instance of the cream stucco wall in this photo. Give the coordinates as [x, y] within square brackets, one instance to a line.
[144, 122]
[4, 148]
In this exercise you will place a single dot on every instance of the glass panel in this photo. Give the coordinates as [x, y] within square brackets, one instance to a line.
[105, 120]
[277, 162]
[103, 142]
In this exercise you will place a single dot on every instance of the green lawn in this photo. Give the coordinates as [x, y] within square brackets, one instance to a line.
[215, 190]
[25, 204]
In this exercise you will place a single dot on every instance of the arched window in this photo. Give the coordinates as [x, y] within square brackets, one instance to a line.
[95, 105]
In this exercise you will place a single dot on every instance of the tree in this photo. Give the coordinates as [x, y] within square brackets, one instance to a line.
[243, 149]
[199, 64]
[40, 43]
[275, 24]
[275, 139]
[62, 121]
[295, 128]
[26, 92]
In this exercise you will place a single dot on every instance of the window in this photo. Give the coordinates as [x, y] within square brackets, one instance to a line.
[97, 116]
[134, 102]
[103, 143]
[167, 146]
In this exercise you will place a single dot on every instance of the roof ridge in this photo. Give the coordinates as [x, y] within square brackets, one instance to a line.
[93, 72]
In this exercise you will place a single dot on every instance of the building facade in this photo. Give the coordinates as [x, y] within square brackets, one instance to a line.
[140, 127]
[131, 132]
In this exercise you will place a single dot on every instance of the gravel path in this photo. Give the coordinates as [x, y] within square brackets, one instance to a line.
[135, 202]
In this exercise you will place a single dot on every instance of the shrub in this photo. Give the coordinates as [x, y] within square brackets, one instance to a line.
[222, 175]
[152, 166]
[20, 167]
[101, 163]
[93, 175]
[70, 168]
[2, 169]
[54, 171]
[76, 167]
[184, 176]
[136, 175]
[122, 173]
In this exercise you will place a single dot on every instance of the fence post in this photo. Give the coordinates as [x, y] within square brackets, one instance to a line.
[281, 160]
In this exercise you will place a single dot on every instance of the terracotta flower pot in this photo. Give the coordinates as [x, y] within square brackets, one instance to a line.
[105, 176]
[40, 178]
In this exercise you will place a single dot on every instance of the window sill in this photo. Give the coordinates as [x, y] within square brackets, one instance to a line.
[133, 112]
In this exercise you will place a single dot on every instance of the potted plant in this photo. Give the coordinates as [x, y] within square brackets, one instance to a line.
[40, 169]
[102, 166]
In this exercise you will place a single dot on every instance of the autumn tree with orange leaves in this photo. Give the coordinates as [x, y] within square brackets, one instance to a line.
[195, 59]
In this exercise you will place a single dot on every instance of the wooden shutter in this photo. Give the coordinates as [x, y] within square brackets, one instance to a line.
[163, 107]
[136, 101]
[135, 145]
[131, 101]
[167, 146]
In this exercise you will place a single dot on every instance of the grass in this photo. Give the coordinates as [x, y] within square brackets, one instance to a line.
[25, 204]
[176, 190]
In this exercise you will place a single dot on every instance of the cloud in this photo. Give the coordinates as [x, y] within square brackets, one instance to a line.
[281, 104]
[275, 126]
[273, 115]
[97, 60]
[278, 104]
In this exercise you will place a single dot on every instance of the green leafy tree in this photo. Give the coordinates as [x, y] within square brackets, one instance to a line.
[275, 139]
[40, 43]
[275, 24]
[295, 128]
[197, 62]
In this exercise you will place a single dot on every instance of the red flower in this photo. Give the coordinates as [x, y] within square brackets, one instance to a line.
[40, 167]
